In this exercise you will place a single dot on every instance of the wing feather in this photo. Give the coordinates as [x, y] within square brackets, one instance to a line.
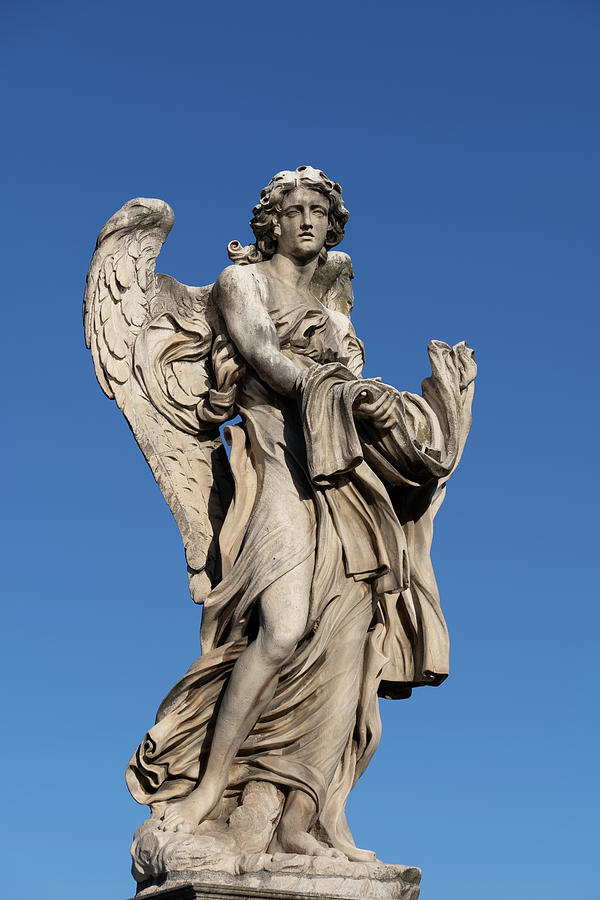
[164, 385]
[128, 245]
[332, 285]
[332, 282]
[134, 306]
[125, 270]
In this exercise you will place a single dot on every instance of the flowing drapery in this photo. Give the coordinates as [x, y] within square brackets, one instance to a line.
[313, 479]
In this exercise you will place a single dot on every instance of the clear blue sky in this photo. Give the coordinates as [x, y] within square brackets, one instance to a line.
[466, 135]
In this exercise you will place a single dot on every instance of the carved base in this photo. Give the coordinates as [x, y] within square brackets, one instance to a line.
[290, 877]
[229, 857]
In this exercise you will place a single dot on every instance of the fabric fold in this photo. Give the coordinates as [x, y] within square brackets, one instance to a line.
[316, 479]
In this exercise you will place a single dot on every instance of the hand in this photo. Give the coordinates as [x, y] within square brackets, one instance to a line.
[380, 410]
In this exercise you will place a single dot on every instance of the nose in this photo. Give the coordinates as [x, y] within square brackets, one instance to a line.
[306, 218]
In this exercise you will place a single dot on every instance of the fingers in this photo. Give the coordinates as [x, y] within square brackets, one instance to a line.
[377, 407]
[380, 411]
[384, 404]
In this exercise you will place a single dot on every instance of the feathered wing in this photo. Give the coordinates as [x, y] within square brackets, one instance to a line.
[159, 352]
[332, 285]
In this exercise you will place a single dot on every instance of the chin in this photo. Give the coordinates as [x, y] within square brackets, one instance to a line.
[308, 248]
[306, 255]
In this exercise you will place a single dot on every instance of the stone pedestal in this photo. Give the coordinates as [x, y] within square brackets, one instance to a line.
[230, 861]
[290, 878]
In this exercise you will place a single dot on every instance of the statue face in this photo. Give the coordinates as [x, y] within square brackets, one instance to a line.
[301, 227]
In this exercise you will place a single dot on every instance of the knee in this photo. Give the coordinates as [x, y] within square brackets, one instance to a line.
[278, 644]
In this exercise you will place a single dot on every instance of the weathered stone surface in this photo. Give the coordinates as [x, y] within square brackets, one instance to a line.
[292, 876]
[309, 547]
[163, 858]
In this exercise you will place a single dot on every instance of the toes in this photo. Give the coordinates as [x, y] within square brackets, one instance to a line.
[177, 822]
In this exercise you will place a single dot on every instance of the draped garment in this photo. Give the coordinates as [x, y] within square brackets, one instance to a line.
[314, 481]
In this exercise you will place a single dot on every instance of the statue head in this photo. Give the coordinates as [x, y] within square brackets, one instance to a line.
[266, 211]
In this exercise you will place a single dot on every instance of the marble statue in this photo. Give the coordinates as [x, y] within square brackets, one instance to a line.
[307, 538]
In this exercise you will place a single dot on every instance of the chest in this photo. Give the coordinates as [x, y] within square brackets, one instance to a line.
[304, 325]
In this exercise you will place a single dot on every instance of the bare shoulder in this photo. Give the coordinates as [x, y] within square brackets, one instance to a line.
[239, 286]
[234, 277]
[231, 277]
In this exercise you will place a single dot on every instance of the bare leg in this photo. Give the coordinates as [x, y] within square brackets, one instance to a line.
[292, 832]
[283, 614]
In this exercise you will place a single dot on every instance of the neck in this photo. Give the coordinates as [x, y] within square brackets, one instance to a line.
[297, 273]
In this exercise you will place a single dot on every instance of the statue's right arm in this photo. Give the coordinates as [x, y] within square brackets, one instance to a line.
[251, 329]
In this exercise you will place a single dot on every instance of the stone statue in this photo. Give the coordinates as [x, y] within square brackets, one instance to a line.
[308, 544]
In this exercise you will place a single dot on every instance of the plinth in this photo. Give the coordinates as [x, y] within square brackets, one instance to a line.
[289, 877]
[233, 863]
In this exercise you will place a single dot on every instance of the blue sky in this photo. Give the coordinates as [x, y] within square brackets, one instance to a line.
[466, 136]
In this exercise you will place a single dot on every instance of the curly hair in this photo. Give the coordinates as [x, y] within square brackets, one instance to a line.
[269, 206]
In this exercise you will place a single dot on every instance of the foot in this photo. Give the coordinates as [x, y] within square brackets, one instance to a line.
[289, 841]
[186, 814]
[355, 854]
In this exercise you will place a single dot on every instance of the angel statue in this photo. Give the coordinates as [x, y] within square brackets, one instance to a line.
[307, 537]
